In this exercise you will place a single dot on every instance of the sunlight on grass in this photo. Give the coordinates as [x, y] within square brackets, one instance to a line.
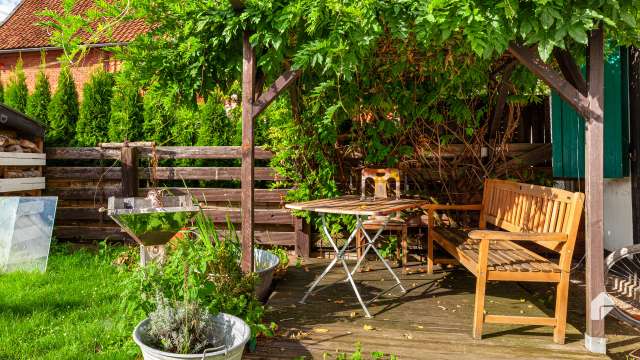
[70, 312]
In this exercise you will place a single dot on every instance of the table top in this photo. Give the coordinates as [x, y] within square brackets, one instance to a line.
[354, 205]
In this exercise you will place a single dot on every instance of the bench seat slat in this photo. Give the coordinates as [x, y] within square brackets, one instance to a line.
[504, 256]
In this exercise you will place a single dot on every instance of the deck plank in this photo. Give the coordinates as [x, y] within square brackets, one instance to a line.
[432, 320]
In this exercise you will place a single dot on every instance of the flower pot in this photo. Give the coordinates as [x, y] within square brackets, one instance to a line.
[233, 330]
[265, 265]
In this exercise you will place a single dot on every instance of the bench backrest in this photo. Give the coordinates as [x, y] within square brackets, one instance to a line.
[519, 207]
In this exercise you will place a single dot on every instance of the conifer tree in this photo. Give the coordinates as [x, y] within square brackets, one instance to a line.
[127, 111]
[93, 123]
[63, 111]
[17, 93]
[38, 103]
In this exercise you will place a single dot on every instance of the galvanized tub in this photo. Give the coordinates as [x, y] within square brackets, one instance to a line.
[265, 266]
[236, 334]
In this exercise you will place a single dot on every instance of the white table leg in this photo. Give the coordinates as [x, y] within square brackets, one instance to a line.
[371, 245]
[339, 256]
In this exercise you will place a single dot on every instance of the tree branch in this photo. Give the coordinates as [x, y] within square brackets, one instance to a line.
[529, 58]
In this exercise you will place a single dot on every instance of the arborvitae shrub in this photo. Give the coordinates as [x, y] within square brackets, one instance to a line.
[1, 91]
[157, 117]
[126, 112]
[38, 103]
[184, 127]
[93, 123]
[63, 111]
[215, 128]
[17, 93]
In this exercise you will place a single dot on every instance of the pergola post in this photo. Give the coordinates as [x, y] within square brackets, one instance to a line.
[595, 340]
[247, 173]
[590, 105]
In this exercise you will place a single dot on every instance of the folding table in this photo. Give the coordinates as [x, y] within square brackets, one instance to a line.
[361, 208]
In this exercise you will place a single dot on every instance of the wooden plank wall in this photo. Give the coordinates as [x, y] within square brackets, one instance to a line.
[84, 178]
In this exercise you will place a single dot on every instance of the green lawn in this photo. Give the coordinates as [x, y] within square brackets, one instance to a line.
[70, 312]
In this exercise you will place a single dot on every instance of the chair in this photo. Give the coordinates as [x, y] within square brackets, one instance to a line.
[381, 179]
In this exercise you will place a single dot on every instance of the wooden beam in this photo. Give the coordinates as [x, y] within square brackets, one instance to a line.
[634, 123]
[529, 58]
[129, 159]
[570, 69]
[247, 175]
[281, 83]
[503, 92]
[594, 186]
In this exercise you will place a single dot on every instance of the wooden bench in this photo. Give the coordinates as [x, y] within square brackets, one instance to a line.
[546, 216]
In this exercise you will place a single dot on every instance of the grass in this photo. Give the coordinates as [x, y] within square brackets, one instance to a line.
[70, 312]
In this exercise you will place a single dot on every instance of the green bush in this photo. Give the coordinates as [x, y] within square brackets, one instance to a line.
[215, 128]
[127, 111]
[63, 111]
[1, 91]
[38, 103]
[17, 93]
[157, 116]
[95, 110]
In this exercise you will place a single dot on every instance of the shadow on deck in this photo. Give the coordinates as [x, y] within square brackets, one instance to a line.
[431, 321]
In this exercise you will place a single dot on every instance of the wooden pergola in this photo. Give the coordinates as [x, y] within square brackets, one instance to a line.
[585, 96]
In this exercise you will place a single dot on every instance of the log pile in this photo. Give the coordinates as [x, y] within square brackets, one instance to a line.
[10, 143]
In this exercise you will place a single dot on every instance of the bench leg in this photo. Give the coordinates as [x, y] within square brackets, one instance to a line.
[359, 244]
[478, 308]
[562, 295]
[405, 248]
[481, 287]
[429, 254]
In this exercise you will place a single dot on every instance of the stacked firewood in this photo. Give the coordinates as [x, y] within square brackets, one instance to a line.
[9, 142]
[14, 144]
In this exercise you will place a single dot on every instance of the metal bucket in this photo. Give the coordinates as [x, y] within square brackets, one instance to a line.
[236, 334]
[265, 266]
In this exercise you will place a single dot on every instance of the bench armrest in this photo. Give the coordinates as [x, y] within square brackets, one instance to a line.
[467, 207]
[515, 236]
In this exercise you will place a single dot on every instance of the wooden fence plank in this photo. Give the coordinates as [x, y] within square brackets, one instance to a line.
[207, 173]
[202, 152]
[226, 195]
[84, 153]
[83, 172]
[281, 238]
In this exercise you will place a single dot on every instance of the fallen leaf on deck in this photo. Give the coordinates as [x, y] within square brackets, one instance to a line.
[306, 269]
[339, 301]
[442, 307]
[420, 326]
[320, 330]
[530, 306]
[521, 311]
[522, 300]
[408, 336]
[368, 327]
[353, 314]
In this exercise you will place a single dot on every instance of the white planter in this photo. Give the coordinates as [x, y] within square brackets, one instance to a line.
[235, 331]
[265, 265]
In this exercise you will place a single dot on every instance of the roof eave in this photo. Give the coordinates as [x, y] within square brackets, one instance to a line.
[50, 48]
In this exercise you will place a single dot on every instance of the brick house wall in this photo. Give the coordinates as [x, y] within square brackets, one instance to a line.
[94, 59]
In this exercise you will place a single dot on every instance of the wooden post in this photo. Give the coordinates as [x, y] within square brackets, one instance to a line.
[302, 230]
[595, 340]
[129, 161]
[634, 120]
[247, 175]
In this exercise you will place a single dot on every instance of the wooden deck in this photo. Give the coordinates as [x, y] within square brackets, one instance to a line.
[431, 321]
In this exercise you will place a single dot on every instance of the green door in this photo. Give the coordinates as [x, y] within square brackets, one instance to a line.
[567, 127]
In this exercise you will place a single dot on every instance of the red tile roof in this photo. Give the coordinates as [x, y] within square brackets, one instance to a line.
[20, 29]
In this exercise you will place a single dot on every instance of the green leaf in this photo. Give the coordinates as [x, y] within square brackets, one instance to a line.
[546, 19]
[629, 19]
[578, 33]
[544, 49]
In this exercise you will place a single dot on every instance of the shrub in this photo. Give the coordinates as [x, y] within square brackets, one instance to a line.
[215, 128]
[95, 110]
[157, 117]
[63, 111]
[38, 103]
[17, 93]
[127, 111]
[1, 91]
